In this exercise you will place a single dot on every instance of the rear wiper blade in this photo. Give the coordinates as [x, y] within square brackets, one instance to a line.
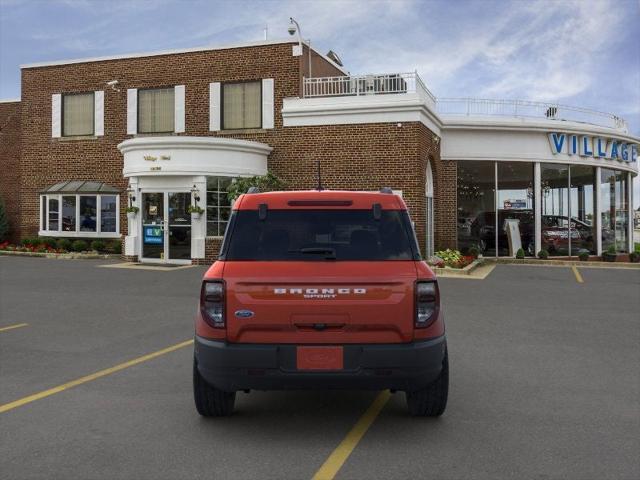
[328, 252]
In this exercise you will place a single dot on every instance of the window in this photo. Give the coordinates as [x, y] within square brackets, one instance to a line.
[218, 205]
[78, 114]
[242, 105]
[477, 206]
[108, 213]
[69, 213]
[614, 209]
[321, 235]
[80, 215]
[156, 110]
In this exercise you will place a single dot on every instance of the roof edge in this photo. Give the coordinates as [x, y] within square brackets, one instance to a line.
[168, 52]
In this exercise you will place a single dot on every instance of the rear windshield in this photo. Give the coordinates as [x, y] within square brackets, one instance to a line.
[320, 235]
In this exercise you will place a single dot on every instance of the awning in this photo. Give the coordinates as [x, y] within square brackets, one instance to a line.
[81, 186]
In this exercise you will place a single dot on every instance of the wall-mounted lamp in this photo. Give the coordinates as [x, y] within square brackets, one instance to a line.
[195, 194]
[132, 197]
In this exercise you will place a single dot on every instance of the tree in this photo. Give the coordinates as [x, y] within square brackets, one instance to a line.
[4, 222]
[264, 183]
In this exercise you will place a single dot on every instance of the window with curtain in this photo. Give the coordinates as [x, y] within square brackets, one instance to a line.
[241, 105]
[156, 110]
[77, 114]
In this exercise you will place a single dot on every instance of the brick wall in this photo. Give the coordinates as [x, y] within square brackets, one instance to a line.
[10, 164]
[354, 157]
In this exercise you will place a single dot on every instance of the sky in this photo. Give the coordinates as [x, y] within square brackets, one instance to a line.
[584, 53]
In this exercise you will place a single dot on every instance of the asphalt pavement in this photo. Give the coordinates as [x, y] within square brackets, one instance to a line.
[545, 383]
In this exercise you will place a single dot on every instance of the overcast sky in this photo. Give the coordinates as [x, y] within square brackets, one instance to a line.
[579, 52]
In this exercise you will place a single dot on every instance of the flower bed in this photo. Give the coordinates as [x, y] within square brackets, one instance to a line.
[451, 259]
[52, 246]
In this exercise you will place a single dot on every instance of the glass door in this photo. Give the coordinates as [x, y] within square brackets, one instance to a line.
[153, 226]
[179, 242]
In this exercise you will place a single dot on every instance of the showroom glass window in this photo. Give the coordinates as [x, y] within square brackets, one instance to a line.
[476, 206]
[582, 204]
[516, 221]
[77, 114]
[554, 219]
[241, 105]
[614, 209]
[156, 110]
[79, 215]
[218, 205]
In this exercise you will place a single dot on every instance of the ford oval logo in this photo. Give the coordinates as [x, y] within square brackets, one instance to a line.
[244, 313]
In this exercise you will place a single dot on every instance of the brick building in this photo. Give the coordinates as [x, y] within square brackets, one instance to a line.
[165, 130]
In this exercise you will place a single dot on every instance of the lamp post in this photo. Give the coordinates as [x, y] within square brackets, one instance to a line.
[294, 27]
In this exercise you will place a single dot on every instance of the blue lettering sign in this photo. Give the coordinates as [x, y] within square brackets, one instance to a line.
[557, 142]
[634, 153]
[573, 148]
[614, 150]
[624, 153]
[601, 150]
[586, 147]
[152, 235]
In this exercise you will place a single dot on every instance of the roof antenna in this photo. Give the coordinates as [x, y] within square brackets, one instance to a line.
[319, 178]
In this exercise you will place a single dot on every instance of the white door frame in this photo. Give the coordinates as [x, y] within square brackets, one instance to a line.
[165, 226]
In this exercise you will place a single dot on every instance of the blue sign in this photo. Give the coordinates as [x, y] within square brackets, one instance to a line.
[588, 146]
[152, 235]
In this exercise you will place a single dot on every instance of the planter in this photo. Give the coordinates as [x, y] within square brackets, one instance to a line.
[609, 257]
[196, 215]
[634, 257]
[131, 216]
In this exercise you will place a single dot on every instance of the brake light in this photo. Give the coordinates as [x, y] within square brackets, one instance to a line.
[212, 298]
[427, 303]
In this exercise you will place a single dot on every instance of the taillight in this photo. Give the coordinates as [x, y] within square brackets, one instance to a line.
[427, 303]
[212, 302]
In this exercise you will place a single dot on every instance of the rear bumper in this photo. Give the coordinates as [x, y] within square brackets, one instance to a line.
[405, 366]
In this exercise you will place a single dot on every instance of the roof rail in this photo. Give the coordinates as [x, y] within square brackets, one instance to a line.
[386, 190]
[253, 190]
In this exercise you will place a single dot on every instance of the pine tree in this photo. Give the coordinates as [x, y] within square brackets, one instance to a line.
[4, 222]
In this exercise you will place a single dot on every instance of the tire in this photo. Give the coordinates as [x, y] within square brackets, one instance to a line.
[431, 401]
[211, 402]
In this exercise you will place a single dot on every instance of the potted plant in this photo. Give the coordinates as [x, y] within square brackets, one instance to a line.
[520, 254]
[583, 255]
[195, 211]
[543, 254]
[131, 212]
[610, 255]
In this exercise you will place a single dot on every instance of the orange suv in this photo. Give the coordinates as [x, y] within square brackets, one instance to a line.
[320, 289]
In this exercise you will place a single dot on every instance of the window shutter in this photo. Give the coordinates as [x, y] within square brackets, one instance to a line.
[98, 111]
[132, 111]
[267, 103]
[179, 108]
[56, 115]
[214, 106]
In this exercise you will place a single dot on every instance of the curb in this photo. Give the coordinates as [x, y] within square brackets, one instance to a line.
[458, 271]
[564, 263]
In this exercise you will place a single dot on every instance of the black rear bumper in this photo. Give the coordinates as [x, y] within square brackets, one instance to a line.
[403, 366]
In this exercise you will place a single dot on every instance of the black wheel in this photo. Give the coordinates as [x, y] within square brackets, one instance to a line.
[431, 401]
[211, 402]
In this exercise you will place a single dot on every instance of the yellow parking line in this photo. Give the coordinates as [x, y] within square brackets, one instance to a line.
[11, 327]
[577, 274]
[332, 465]
[102, 373]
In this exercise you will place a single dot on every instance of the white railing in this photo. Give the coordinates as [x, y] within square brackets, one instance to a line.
[357, 85]
[525, 108]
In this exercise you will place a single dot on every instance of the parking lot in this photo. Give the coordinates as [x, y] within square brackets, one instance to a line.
[545, 383]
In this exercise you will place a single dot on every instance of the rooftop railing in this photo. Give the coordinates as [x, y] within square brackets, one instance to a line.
[402, 83]
[357, 85]
[528, 109]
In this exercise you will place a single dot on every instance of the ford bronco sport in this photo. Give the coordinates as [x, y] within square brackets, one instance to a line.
[320, 289]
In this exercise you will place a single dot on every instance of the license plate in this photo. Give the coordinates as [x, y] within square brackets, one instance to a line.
[319, 358]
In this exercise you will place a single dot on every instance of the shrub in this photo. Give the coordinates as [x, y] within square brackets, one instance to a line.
[474, 251]
[634, 257]
[47, 242]
[543, 254]
[4, 222]
[115, 247]
[64, 244]
[583, 255]
[79, 246]
[611, 250]
[27, 242]
[264, 183]
[97, 245]
[520, 253]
